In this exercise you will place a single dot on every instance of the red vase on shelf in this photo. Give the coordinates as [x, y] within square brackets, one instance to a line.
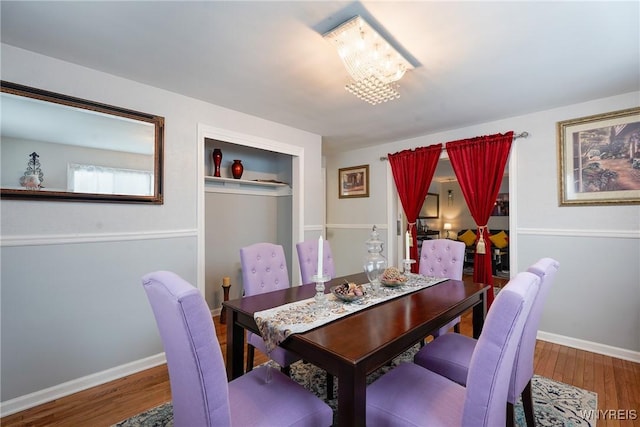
[216, 159]
[237, 169]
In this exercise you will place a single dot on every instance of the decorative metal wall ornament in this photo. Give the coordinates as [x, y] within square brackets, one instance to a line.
[33, 176]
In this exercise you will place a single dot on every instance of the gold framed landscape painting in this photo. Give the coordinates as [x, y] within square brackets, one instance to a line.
[353, 182]
[599, 159]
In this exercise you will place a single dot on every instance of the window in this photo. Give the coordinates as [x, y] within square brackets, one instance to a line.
[105, 180]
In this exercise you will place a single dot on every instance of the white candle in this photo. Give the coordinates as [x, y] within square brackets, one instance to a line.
[407, 254]
[320, 248]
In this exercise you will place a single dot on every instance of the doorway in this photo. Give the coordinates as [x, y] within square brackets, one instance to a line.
[453, 209]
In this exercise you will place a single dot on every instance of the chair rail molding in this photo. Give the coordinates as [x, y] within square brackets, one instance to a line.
[65, 239]
[602, 233]
[357, 226]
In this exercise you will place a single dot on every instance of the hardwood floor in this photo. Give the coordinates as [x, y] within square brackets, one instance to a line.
[617, 383]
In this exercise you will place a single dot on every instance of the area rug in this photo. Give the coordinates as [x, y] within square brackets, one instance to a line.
[555, 404]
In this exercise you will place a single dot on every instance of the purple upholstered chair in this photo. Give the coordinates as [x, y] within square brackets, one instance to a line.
[450, 355]
[443, 258]
[199, 389]
[264, 269]
[308, 258]
[413, 395]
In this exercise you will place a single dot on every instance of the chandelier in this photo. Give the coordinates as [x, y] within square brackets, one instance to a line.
[373, 64]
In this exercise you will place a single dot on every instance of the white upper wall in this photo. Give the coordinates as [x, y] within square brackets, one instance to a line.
[535, 175]
[182, 115]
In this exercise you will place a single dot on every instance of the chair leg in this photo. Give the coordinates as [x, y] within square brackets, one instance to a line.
[527, 405]
[456, 328]
[250, 355]
[510, 415]
[329, 386]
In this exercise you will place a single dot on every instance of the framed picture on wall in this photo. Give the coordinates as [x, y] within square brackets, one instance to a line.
[353, 182]
[599, 159]
[430, 207]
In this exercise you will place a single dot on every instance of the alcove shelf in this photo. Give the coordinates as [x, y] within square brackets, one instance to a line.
[245, 186]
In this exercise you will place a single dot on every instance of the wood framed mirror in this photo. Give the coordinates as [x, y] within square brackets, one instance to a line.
[58, 147]
[431, 206]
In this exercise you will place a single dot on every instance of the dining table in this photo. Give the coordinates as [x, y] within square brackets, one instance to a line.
[354, 346]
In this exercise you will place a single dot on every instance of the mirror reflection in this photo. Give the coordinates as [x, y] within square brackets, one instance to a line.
[430, 207]
[64, 148]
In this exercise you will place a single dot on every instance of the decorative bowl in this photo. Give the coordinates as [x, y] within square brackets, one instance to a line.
[393, 277]
[392, 283]
[344, 296]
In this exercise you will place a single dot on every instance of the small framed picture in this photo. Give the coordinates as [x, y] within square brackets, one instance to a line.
[353, 182]
[599, 159]
[501, 207]
[431, 206]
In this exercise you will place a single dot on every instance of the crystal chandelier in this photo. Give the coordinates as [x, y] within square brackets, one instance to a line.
[374, 65]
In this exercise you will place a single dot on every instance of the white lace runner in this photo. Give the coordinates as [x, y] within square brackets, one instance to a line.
[276, 324]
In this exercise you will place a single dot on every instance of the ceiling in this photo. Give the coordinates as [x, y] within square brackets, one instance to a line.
[474, 61]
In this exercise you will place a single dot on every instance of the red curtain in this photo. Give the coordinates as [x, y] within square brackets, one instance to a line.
[479, 166]
[412, 172]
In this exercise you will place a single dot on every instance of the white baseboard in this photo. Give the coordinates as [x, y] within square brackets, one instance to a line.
[607, 350]
[65, 389]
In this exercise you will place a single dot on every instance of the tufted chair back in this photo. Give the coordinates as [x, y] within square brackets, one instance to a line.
[308, 258]
[264, 268]
[442, 258]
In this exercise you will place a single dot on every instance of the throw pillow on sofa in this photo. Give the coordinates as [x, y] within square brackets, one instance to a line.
[468, 237]
[500, 240]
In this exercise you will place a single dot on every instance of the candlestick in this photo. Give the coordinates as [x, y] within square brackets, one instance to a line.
[226, 284]
[407, 265]
[407, 254]
[320, 297]
[320, 256]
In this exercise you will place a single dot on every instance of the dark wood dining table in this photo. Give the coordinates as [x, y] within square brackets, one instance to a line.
[352, 347]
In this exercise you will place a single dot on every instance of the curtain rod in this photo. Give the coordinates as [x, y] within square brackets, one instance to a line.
[524, 134]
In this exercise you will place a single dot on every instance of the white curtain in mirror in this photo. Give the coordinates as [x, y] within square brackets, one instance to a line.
[106, 180]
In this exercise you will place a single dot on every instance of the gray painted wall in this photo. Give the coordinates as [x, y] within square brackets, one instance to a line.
[70, 310]
[597, 295]
[234, 221]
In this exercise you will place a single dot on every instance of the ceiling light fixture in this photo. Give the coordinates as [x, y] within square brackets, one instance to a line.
[374, 65]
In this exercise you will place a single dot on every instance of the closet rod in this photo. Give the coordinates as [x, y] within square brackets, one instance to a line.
[524, 134]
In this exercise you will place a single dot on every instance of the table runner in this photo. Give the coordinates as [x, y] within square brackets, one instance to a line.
[276, 324]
